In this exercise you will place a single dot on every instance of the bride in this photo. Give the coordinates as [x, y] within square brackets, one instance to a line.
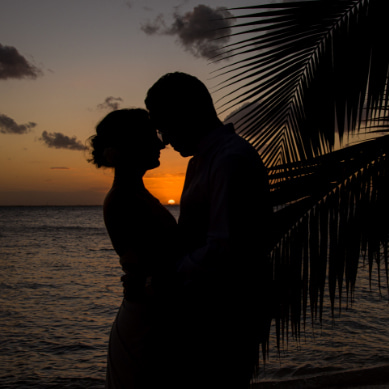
[142, 232]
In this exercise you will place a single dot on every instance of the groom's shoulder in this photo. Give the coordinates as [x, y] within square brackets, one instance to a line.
[234, 144]
[234, 152]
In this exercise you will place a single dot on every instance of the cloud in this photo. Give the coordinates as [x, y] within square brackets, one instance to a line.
[14, 65]
[61, 141]
[111, 103]
[156, 27]
[9, 126]
[203, 32]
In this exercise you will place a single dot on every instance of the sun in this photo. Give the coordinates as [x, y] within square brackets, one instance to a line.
[171, 202]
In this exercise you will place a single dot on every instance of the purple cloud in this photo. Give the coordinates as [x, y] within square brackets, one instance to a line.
[58, 140]
[9, 126]
[14, 65]
[203, 32]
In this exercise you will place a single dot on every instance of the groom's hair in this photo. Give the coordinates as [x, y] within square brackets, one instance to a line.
[182, 92]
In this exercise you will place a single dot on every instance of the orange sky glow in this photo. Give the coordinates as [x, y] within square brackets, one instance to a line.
[61, 73]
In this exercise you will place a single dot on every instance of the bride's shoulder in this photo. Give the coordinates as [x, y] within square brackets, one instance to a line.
[121, 200]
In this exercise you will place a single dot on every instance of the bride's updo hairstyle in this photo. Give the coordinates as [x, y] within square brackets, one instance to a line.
[118, 131]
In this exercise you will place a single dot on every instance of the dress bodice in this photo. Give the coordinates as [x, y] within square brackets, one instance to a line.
[140, 226]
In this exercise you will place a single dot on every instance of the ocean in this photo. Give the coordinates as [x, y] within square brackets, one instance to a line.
[60, 290]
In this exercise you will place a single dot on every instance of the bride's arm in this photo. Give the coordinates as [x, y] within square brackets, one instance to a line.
[130, 259]
[135, 274]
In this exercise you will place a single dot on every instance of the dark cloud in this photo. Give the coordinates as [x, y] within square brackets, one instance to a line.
[156, 27]
[61, 141]
[111, 103]
[9, 126]
[203, 31]
[14, 65]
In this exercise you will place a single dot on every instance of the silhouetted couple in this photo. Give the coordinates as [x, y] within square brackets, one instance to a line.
[194, 308]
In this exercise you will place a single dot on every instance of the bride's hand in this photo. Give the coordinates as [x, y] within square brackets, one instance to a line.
[129, 260]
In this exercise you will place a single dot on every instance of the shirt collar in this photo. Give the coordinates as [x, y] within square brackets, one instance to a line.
[212, 137]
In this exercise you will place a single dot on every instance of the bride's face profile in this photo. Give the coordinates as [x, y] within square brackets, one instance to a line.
[126, 139]
[148, 150]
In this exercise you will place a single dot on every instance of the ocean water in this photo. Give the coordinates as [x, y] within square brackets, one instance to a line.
[60, 290]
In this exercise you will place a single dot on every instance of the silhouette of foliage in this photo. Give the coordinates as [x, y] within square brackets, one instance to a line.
[310, 75]
[317, 68]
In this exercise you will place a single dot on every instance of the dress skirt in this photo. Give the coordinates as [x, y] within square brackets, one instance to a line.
[132, 348]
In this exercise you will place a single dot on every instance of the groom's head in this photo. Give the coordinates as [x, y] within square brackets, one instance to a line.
[182, 110]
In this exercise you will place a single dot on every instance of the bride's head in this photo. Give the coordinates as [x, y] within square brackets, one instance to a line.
[126, 139]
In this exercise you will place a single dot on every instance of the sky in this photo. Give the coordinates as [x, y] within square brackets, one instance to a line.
[64, 65]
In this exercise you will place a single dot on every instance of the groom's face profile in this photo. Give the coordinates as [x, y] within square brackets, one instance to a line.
[176, 132]
[182, 110]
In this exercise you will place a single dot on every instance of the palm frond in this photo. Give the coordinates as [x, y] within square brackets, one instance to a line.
[338, 213]
[307, 68]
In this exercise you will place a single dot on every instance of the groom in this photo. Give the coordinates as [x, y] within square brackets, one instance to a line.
[225, 220]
